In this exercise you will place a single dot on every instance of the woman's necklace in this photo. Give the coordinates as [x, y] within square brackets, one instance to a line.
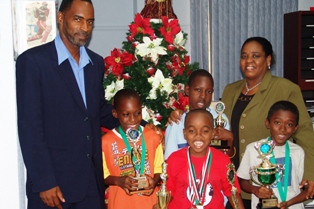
[249, 89]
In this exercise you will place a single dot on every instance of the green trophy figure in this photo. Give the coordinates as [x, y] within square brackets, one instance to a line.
[264, 174]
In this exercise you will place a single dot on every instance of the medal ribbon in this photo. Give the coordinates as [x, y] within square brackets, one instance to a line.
[283, 192]
[128, 146]
[199, 200]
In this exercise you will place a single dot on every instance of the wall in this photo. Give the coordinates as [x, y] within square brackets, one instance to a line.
[305, 4]
[111, 24]
[9, 153]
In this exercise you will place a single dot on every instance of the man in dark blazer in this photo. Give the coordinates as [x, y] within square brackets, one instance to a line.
[60, 104]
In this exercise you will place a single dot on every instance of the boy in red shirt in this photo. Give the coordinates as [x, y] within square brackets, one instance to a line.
[197, 174]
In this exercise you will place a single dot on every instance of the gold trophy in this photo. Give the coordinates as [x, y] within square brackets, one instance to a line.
[231, 175]
[220, 122]
[163, 196]
[264, 174]
[138, 161]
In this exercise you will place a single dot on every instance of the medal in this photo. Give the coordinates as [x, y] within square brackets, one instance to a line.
[198, 196]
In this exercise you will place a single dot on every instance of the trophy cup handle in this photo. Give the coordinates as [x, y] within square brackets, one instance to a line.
[253, 173]
[281, 172]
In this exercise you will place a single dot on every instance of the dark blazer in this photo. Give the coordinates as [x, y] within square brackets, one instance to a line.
[60, 139]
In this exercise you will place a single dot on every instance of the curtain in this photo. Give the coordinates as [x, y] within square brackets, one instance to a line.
[231, 23]
[200, 35]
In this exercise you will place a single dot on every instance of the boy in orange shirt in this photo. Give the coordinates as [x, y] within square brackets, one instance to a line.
[120, 151]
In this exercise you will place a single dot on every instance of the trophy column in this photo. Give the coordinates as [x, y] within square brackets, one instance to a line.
[163, 196]
[220, 122]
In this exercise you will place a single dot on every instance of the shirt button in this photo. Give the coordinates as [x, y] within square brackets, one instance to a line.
[244, 115]
[242, 126]
[86, 119]
[242, 141]
[88, 138]
[88, 156]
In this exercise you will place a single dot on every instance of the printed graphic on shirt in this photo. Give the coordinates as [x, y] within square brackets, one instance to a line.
[281, 161]
[209, 192]
[122, 159]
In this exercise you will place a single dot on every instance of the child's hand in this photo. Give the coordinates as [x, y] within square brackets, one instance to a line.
[128, 184]
[283, 205]
[151, 186]
[175, 116]
[262, 192]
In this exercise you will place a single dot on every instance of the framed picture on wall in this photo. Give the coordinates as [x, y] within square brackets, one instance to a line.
[34, 23]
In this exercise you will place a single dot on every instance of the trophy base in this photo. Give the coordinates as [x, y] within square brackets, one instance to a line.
[270, 203]
[141, 184]
[219, 144]
[163, 199]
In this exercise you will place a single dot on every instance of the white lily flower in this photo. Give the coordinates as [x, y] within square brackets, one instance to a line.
[113, 88]
[158, 81]
[179, 41]
[151, 48]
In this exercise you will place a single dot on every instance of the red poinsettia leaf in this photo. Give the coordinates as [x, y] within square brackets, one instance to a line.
[140, 25]
[169, 29]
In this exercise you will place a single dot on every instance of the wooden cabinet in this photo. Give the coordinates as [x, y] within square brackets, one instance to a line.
[299, 53]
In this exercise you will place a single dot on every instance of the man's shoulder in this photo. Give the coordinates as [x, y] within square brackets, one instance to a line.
[40, 50]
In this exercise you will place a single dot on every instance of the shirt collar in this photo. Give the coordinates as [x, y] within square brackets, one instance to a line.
[63, 53]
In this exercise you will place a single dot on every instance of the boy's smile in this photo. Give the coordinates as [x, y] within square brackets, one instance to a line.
[198, 132]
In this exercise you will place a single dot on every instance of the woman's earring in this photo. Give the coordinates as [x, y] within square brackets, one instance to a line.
[268, 67]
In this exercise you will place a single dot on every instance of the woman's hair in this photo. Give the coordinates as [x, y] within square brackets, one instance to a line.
[125, 94]
[266, 45]
[200, 73]
[286, 106]
[66, 4]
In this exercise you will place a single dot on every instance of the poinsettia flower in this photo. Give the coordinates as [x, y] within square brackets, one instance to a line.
[179, 40]
[169, 29]
[158, 81]
[182, 103]
[178, 65]
[151, 48]
[149, 116]
[118, 60]
[140, 26]
[113, 88]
